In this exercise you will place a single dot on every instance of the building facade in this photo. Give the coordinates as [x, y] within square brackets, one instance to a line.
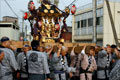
[9, 27]
[10, 19]
[82, 23]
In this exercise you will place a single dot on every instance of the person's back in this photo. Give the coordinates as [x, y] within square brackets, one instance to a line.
[102, 57]
[8, 65]
[115, 73]
[37, 63]
[104, 60]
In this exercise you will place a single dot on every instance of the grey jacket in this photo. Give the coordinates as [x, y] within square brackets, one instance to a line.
[115, 73]
[102, 63]
[37, 62]
[8, 64]
[60, 64]
[22, 63]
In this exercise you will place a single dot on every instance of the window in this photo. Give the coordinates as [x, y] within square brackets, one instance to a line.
[15, 21]
[17, 28]
[90, 22]
[78, 24]
[5, 25]
[101, 21]
[98, 21]
[13, 26]
[83, 23]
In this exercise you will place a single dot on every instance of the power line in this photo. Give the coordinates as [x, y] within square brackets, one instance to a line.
[72, 3]
[11, 8]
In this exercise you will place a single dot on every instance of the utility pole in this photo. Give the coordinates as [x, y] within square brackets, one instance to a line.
[22, 26]
[23, 29]
[94, 22]
[0, 10]
[112, 23]
[26, 32]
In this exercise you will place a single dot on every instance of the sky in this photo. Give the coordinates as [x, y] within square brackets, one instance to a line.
[21, 5]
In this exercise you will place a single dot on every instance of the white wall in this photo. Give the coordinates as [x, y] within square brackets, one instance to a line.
[9, 32]
[108, 37]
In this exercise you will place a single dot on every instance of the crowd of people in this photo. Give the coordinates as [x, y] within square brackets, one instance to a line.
[37, 62]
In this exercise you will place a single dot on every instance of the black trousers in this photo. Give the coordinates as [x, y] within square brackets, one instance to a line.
[103, 79]
[23, 78]
[75, 78]
[36, 77]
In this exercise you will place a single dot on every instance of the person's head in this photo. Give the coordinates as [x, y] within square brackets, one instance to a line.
[47, 48]
[26, 48]
[5, 41]
[97, 46]
[109, 49]
[41, 49]
[97, 49]
[64, 50]
[1, 55]
[92, 50]
[113, 46]
[35, 45]
[108, 46]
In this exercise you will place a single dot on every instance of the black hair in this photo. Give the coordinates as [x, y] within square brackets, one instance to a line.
[113, 46]
[3, 39]
[19, 50]
[92, 48]
[35, 44]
